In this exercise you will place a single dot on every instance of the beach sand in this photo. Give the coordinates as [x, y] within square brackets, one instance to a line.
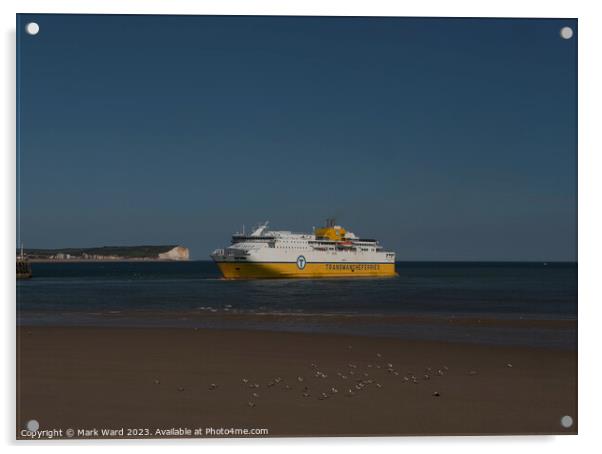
[161, 378]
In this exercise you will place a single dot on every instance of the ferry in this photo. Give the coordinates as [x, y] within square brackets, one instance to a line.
[330, 251]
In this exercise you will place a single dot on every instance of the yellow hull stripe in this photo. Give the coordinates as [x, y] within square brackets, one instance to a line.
[257, 270]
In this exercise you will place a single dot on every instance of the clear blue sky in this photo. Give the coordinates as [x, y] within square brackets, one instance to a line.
[447, 139]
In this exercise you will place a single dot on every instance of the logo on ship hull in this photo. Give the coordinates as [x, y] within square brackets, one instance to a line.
[301, 262]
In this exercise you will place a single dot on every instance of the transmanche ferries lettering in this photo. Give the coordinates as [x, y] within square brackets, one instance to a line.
[331, 251]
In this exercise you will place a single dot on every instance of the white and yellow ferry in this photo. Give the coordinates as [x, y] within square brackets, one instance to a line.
[330, 251]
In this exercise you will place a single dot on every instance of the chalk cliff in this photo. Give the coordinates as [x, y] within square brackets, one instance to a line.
[177, 253]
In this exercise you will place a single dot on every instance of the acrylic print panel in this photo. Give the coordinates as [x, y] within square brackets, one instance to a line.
[418, 272]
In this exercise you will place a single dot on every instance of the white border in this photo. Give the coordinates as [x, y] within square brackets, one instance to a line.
[590, 203]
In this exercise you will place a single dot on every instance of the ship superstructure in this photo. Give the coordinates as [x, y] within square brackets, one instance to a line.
[331, 251]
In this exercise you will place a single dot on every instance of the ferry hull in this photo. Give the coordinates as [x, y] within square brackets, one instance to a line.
[271, 270]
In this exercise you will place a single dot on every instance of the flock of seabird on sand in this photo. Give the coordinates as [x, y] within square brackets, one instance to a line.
[354, 380]
[351, 380]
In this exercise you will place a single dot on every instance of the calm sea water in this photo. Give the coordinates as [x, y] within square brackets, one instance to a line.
[418, 304]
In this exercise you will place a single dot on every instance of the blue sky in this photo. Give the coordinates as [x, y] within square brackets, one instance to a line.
[447, 139]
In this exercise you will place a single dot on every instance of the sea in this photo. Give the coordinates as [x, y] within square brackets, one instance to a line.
[523, 304]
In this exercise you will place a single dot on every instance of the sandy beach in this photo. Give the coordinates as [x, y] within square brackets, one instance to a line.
[290, 384]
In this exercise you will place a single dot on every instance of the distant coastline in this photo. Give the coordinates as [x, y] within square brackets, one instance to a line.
[109, 254]
[100, 260]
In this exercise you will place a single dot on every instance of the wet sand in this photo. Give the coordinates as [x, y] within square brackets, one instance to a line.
[161, 378]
